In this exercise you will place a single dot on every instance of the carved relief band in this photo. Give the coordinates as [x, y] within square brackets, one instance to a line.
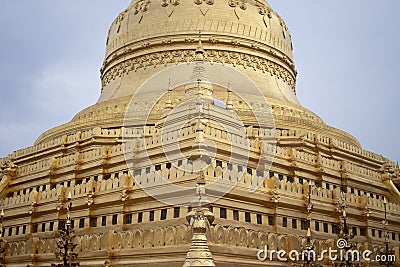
[183, 56]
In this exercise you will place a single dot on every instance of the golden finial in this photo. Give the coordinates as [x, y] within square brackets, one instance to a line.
[199, 254]
[168, 102]
[309, 232]
[200, 50]
[229, 103]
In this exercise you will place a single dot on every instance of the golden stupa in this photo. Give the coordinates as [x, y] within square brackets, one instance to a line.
[197, 153]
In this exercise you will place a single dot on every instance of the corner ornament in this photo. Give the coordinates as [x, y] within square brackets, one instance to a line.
[199, 254]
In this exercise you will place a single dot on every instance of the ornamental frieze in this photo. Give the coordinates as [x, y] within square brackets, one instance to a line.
[133, 240]
[184, 56]
[142, 6]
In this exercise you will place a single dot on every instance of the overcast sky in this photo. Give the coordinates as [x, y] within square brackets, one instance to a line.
[346, 52]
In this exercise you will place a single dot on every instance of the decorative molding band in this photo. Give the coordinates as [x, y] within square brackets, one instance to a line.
[209, 26]
[141, 6]
[164, 237]
[188, 55]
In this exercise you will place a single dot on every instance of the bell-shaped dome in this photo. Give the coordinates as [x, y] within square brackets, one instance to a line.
[152, 34]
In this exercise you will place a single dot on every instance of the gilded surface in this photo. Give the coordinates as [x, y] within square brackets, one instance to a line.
[118, 224]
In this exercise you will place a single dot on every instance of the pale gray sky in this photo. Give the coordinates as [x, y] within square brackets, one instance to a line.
[346, 53]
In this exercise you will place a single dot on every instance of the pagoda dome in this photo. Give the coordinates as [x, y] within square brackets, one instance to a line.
[150, 35]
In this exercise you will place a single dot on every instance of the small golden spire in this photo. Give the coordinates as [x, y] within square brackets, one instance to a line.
[229, 103]
[200, 50]
[200, 218]
[199, 254]
[199, 85]
[309, 207]
[168, 102]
